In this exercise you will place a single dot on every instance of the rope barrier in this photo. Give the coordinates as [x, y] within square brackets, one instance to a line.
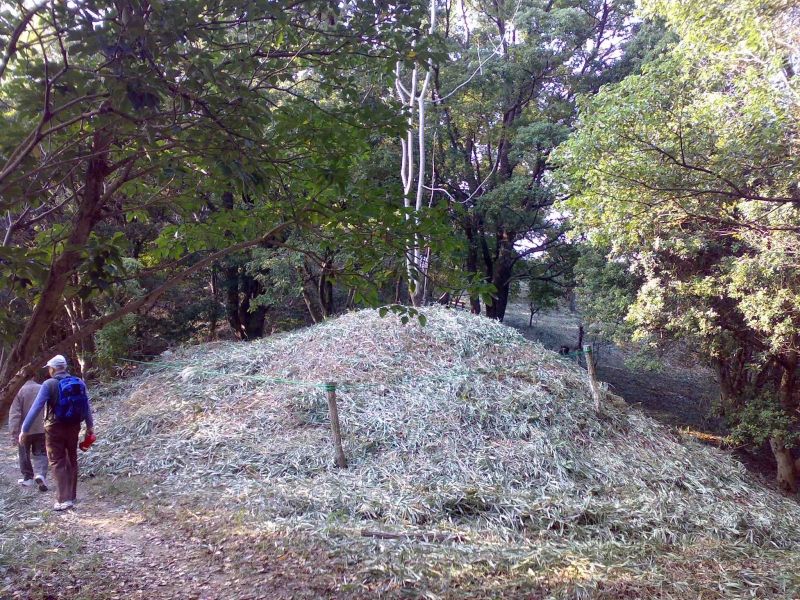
[327, 386]
[574, 353]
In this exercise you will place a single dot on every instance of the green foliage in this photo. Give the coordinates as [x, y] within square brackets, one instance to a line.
[115, 341]
[606, 289]
[543, 295]
[763, 418]
[175, 107]
[406, 313]
[507, 101]
[277, 270]
[686, 174]
[678, 157]
[644, 360]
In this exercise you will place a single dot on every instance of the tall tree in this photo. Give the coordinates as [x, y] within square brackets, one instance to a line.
[412, 94]
[503, 104]
[121, 108]
[688, 171]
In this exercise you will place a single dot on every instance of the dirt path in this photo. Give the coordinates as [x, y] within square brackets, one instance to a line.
[101, 549]
[125, 540]
[679, 394]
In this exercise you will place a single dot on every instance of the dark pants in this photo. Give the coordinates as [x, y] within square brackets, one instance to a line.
[62, 450]
[33, 448]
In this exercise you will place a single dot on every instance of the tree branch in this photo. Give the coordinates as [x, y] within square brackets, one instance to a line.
[144, 302]
[11, 48]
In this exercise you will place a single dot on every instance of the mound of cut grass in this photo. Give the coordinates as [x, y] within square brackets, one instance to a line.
[459, 428]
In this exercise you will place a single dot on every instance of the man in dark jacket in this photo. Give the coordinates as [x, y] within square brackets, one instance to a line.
[61, 432]
[34, 446]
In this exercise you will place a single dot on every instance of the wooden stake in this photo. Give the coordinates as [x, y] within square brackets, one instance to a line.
[341, 461]
[593, 383]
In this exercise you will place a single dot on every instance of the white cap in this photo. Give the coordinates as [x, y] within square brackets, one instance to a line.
[57, 362]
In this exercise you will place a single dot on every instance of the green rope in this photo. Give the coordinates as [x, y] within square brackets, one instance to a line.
[574, 353]
[451, 374]
[327, 386]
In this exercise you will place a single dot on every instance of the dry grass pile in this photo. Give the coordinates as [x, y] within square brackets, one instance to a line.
[459, 426]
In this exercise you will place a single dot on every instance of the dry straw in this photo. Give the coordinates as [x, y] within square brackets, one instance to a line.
[457, 427]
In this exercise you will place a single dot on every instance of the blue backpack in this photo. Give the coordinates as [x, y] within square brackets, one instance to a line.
[72, 404]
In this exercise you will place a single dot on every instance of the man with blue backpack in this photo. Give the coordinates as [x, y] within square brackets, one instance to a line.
[66, 405]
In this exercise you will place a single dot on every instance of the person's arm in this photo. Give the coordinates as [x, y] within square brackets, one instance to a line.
[42, 398]
[89, 417]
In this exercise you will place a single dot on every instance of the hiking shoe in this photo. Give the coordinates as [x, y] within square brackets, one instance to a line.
[63, 505]
[25, 482]
[40, 481]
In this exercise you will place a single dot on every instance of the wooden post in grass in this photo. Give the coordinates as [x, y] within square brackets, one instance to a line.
[341, 461]
[593, 383]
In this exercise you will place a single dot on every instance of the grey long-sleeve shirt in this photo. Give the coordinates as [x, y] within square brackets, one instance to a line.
[21, 406]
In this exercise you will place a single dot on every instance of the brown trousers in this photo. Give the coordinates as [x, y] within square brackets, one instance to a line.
[62, 451]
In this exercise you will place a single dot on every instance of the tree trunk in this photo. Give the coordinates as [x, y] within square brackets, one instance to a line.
[232, 298]
[786, 475]
[251, 320]
[325, 289]
[328, 304]
[731, 372]
[499, 271]
[398, 288]
[83, 349]
[501, 279]
[311, 305]
[212, 313]
[533, 310]
[726, 394]
[497, 309]
[788, 381]
[573, 301]
[427, 286]
[13, 380]
[313, 288]
[474, 305]
[241, 290]
[472, 263]
[50, 298]
[417, 295]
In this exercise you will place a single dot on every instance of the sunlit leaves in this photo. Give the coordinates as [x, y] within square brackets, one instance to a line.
[688, 173]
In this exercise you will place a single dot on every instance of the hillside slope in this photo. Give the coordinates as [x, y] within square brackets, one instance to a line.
[460, 428]
[678, 391]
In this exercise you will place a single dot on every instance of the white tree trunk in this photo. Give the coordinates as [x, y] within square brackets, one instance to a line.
[413, 96]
